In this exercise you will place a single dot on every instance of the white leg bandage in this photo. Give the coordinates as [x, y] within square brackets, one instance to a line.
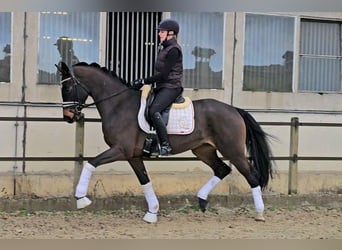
[151, 198]
[205, 190]
[82, 186]
[257, 197]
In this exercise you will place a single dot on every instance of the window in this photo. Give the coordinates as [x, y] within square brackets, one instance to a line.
[268, 53]
[132, 43]
[5, 46]
[201, 38]
[320, 56]
[69, 37]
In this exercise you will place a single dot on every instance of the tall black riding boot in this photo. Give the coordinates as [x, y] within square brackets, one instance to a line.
[159, 125]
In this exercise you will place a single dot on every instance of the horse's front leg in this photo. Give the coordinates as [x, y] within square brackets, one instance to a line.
[107, 156]
[82, 187]
[152, 201]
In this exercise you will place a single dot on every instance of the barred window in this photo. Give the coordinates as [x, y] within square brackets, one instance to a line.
[66, 36]
[268, 53]
[5, 46]
[201, 38]
[320, 56]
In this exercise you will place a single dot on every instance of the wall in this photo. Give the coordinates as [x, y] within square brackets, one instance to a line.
[57, 139]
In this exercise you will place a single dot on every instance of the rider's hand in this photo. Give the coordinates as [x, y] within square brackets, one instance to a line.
[137, 84]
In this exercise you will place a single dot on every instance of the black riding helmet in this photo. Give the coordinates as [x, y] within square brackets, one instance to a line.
[169, 25]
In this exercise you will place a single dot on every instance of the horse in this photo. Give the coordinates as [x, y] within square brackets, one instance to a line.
[219, 127]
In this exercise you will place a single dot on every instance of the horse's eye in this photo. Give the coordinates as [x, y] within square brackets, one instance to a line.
[67, 88]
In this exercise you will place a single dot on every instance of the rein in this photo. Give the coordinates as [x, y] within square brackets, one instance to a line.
[78, 107]
[105, 98]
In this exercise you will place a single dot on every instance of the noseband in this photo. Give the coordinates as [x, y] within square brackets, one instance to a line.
[74, 106]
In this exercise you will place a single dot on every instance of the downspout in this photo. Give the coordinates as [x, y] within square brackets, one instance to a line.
[233, 66]
[23, 94]
[15, 166]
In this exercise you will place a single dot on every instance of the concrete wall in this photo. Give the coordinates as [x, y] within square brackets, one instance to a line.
[166, 183]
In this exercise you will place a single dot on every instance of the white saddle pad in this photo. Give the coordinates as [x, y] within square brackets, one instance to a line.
[181, 118]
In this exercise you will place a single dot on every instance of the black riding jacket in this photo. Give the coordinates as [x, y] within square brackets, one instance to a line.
[168, 66]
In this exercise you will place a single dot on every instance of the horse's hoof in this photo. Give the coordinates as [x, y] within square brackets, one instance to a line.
[150, 217]
[203, 204]
[82, 202]
[259, 217]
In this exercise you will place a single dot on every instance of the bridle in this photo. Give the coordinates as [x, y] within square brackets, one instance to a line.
[76, 106]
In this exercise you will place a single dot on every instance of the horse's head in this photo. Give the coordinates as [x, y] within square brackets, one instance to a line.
[74, 94]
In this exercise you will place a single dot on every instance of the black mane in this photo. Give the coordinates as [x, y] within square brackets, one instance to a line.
[104, 69]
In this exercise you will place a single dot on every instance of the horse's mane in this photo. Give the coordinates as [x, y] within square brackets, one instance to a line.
[104, 69]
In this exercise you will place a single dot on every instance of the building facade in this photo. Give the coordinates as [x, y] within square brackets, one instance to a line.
[275, 65]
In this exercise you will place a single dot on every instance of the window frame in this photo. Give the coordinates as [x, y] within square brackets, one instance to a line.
[10, 43]
[196, 62]
[303, 55]
[101, 45]
[294, 52]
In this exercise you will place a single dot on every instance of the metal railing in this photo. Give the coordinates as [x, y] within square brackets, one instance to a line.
[79, 157]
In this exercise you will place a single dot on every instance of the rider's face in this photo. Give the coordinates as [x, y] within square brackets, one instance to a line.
[162, 35]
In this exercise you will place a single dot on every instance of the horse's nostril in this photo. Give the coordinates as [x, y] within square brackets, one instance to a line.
[68, 116]
[68, 119]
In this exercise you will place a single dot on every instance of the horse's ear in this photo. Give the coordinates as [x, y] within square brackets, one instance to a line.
[63, 68]
[58, 68]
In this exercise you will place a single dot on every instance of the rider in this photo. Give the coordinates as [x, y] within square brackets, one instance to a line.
[166, 80]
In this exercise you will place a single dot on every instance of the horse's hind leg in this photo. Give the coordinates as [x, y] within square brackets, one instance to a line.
[251, 175]
[208, 155]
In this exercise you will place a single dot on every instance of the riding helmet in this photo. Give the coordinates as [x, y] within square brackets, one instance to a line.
[169, 25]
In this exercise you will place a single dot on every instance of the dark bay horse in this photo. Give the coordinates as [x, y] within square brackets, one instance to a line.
[219, 127]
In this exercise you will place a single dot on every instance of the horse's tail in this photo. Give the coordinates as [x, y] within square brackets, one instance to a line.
[258, 148]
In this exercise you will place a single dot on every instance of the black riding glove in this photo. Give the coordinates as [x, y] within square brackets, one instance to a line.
[137, 84]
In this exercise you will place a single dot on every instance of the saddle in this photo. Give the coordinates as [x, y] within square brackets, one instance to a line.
[165, 113]
[178, 118]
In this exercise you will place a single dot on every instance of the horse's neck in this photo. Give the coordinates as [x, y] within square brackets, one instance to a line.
[107, 93]
[112, 102]
[101, 86]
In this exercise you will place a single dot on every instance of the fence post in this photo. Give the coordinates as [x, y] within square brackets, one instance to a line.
[293, 167]
[79, 149]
